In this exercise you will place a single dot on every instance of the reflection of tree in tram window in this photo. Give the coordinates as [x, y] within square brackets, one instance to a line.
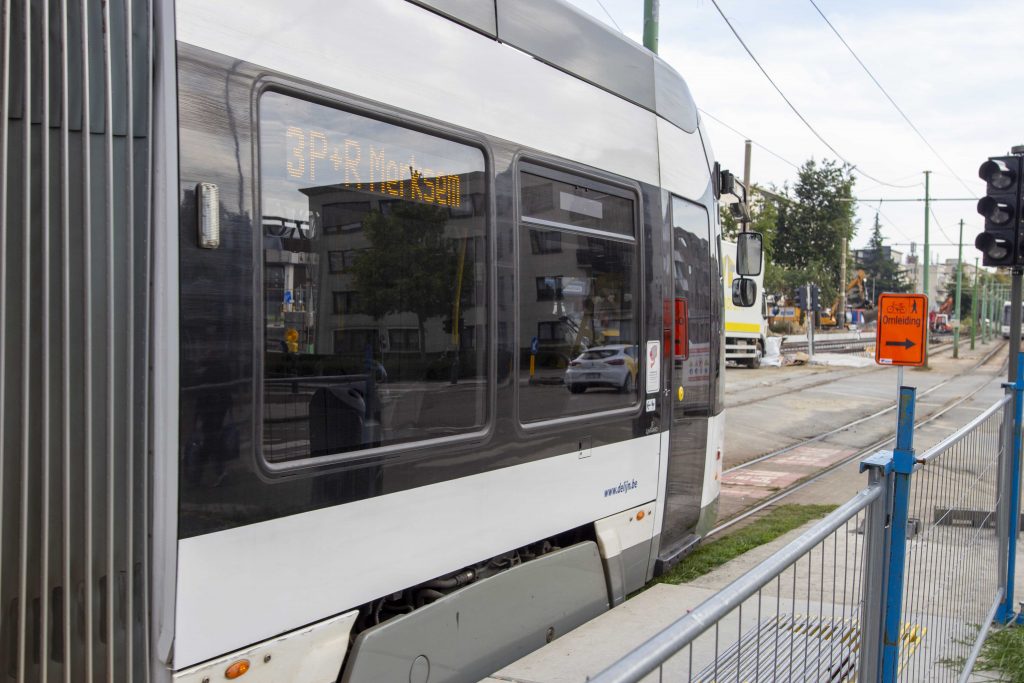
[412, 267]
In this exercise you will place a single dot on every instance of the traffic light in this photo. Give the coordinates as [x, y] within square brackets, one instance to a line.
[805, 304]
[1002, 242]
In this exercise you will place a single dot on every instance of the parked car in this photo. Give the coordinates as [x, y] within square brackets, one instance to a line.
[612, 366]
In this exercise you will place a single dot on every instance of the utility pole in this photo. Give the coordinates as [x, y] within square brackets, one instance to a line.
[956, 303]
[984, 322]
[651, 25]
[746, 179]
[975, 307]
[927, 262]
[840, 313]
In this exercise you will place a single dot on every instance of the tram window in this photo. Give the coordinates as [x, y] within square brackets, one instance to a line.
[375, 240]
[577, 295]
[693, 281]
[575, 205]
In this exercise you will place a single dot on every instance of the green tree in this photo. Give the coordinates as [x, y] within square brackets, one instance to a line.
[878, 266]
[811, 231]
[410, 267]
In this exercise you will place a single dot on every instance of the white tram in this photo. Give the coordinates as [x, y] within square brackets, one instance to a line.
[289, 293]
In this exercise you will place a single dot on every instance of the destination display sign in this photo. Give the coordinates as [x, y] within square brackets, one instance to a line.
[902, 326]
[312, 154]
[327, 156]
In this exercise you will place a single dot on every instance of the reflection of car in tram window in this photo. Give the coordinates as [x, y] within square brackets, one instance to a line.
[603, 366]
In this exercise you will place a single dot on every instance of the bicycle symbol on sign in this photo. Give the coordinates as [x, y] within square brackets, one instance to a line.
[896, 307]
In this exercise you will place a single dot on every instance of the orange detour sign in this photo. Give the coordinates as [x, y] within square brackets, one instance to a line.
[902, 326]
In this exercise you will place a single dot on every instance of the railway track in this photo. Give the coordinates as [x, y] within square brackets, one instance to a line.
[826, 345]
[863, 452]
[801, 384]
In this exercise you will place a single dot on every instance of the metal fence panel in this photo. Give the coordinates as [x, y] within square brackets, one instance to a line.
[952, 558]
[803, 601]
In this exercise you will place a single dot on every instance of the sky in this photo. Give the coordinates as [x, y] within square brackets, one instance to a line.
[938, 59]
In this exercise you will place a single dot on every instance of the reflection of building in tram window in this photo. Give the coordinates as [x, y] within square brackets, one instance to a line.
[546, 242]
[405, 250]
[588, 305]
[344, 216]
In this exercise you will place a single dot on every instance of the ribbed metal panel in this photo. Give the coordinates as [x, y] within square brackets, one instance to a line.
[74, 279]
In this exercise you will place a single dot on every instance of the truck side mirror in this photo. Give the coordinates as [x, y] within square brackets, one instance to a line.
[749, 253]
[744, 292]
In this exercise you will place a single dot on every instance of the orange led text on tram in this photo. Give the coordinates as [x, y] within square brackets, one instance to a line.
[366, 167]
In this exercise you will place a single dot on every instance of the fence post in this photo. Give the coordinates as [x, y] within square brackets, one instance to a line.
[1008, 543]
[902, 467]
[875, 551]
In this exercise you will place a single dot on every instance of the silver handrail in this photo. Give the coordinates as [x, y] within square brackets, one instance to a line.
[673, 638]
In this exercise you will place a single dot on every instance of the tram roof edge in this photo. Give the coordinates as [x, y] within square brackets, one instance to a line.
[596, 54]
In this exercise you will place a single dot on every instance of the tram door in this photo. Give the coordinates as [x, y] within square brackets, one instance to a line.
[692, 353]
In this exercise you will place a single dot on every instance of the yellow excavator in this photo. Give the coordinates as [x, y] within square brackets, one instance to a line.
[856, 297]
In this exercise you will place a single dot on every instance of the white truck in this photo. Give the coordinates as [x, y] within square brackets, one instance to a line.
[745, 328]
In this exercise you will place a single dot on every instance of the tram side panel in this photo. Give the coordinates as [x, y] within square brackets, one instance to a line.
[355, 531]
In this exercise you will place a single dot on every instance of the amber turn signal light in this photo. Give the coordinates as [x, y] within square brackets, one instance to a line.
[236, 669]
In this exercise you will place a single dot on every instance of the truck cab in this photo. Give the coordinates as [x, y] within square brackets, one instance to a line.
[745, 328]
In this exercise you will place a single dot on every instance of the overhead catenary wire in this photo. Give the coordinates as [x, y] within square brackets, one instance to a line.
[897, 180]
[610, 17]
[889, 97]
[941, 229]
[796, 111]
[747, 137]
[906, 199]
[892, 223]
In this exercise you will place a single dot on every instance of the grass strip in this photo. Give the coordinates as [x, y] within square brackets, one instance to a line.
[712, 555]
[1003, 651]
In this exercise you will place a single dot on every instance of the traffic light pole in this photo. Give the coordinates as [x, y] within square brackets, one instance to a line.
[975, 304]
[1015, 309]
[809, 319]
[986, 322]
